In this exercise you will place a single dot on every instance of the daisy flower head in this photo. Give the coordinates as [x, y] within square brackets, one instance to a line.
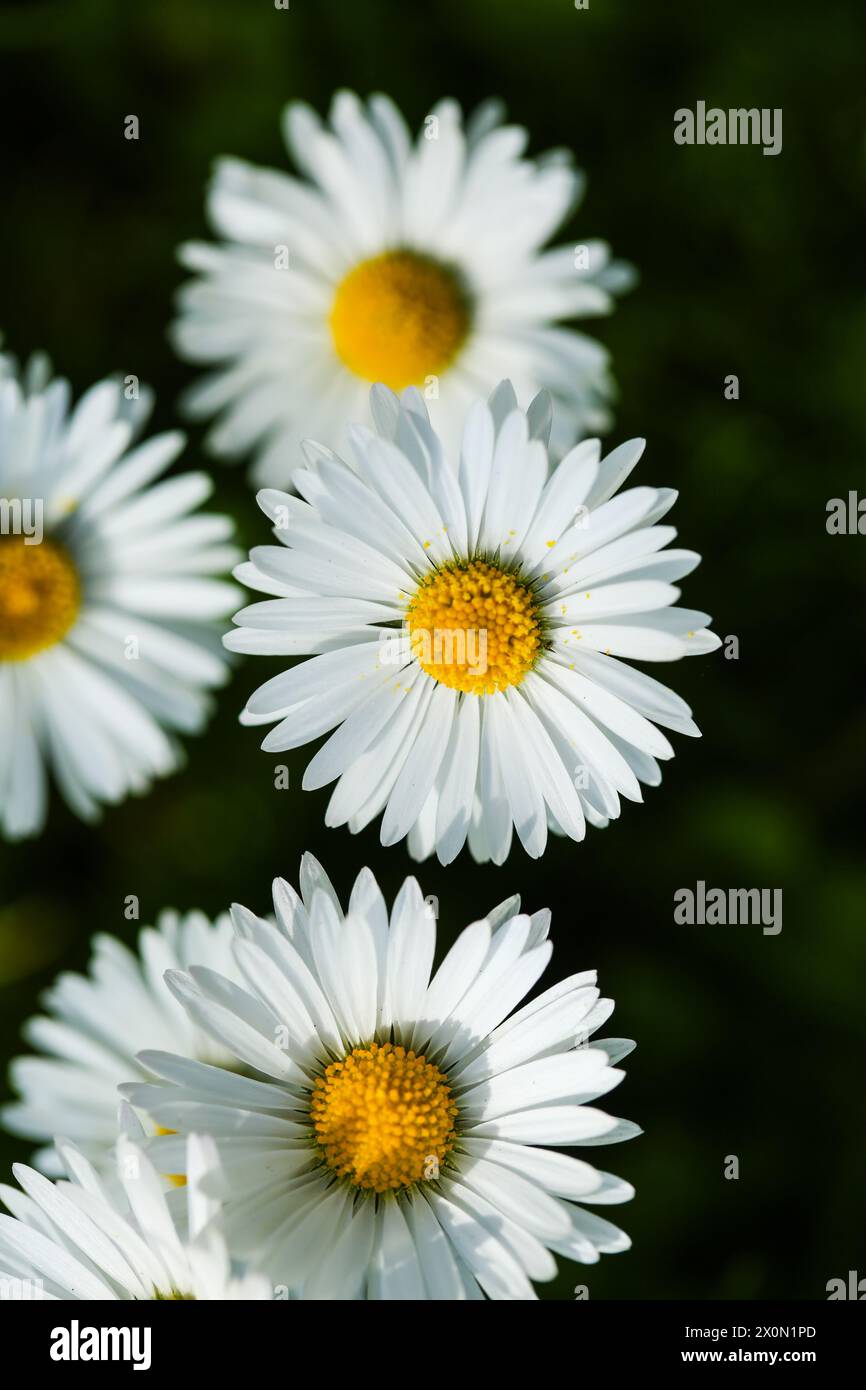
[94, 1026]
[396, 1135]
[83, 1240]
[412, 263]
[108, 597]
[465, 627]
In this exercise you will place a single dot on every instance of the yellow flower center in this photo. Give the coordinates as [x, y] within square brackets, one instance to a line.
[40, 595]
[475, 627]
[399, 318]
[383, 1117]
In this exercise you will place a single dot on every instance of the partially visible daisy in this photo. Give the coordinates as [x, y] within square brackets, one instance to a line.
[397, 1138]
[94, 1026]
[413, 264]
[108, 597]
[80, 1240]
[466, 626]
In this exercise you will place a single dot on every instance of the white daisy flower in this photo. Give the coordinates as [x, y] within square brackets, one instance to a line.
[94, 1026]
[395, 1139]
[107, 598]
[84, 1241]
[465, 626]
[387, 261]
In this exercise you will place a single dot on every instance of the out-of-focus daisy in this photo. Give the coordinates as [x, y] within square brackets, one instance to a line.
[84, 1241]
[413, 264]
[108, 597]
[466, 626]
[396, 1140]
[94, 1026]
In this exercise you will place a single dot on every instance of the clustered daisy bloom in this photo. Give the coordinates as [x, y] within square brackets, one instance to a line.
[409, 263]
[311, 1105]
[108, 597]
[95, 1024]
[393, 1136]
[466, 622]
[85, 1241]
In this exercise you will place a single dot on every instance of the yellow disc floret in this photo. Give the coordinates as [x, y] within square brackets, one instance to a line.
[475, 627]
[383, 1117]
[40, 595]
[399, 318]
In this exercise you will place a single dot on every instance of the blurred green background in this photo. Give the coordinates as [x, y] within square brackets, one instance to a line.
[748, 1044]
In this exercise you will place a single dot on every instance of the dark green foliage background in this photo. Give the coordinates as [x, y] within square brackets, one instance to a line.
[748, 1044]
